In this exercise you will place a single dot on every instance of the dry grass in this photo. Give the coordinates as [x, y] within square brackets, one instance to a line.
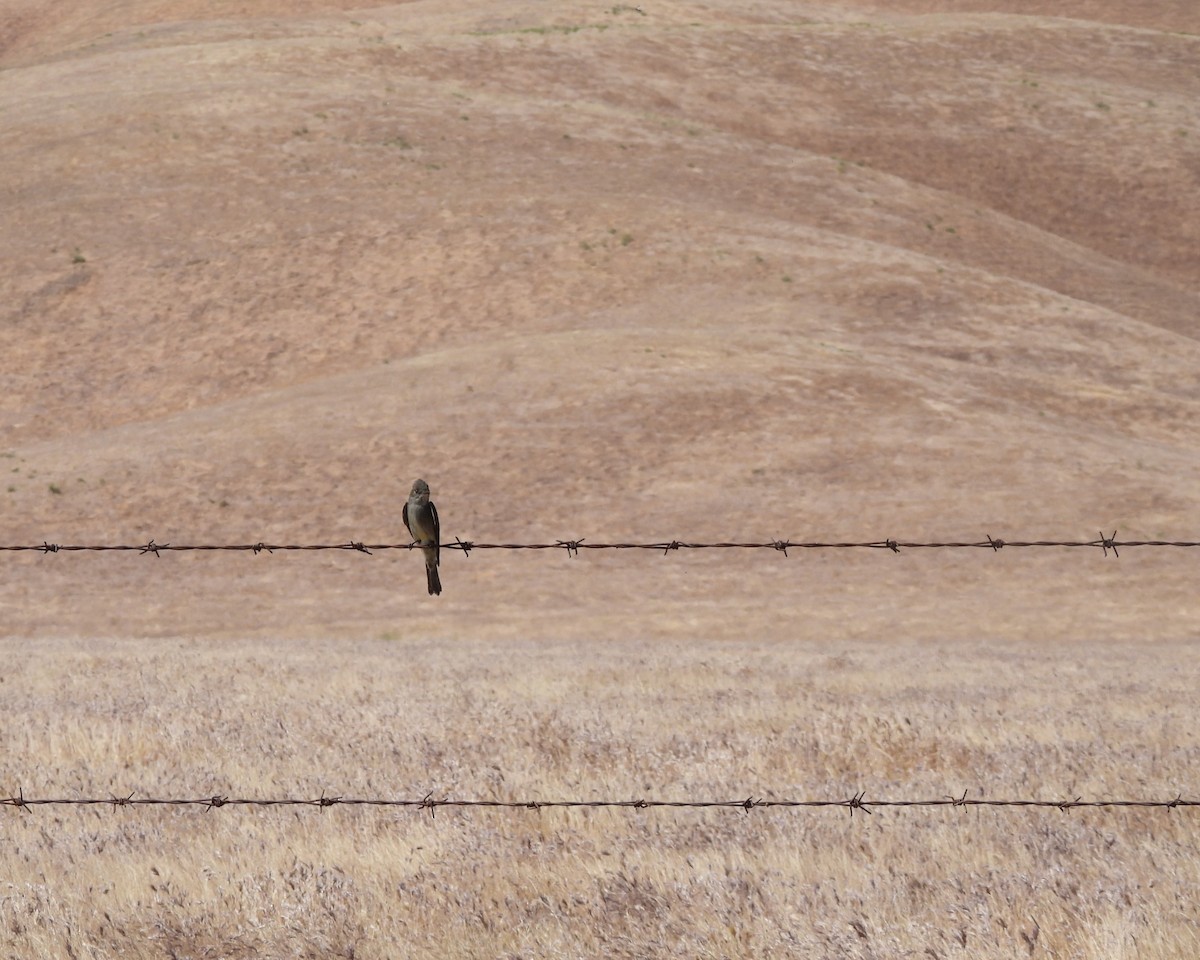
[691, 719]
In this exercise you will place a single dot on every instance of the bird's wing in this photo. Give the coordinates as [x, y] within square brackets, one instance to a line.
[407, 525]
[434, 527]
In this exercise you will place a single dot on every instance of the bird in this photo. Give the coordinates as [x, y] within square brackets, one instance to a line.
[421, 519]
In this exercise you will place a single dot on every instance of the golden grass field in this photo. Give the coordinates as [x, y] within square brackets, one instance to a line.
[614, 719]
[747, 270]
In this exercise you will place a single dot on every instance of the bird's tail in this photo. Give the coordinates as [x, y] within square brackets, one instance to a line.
[435, 582]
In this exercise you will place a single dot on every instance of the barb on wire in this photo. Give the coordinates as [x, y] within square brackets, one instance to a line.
[575, 545]
[1109, 543]
[571, 546]
[857, 801]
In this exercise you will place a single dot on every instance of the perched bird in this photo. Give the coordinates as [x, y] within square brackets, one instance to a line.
[420, 516]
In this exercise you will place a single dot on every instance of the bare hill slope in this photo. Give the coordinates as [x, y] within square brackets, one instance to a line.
[744, 271]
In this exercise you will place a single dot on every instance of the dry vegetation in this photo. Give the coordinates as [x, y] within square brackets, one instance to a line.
[538, 719]
[753, 269]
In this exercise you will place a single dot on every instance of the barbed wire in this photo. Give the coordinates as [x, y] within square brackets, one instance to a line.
[857, 801]
[573, 547]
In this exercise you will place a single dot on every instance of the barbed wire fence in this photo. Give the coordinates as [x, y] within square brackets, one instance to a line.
[574, 546]
[857, 802]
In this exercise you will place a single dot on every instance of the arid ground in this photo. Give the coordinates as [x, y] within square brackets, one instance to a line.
[749, 270]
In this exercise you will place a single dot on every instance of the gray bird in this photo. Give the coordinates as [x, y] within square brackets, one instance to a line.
[420, 516]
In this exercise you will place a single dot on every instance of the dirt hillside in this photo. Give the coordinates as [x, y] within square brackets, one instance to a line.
[748, 270]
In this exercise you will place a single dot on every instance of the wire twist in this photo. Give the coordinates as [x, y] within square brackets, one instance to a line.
[573, 546]
[428, 802]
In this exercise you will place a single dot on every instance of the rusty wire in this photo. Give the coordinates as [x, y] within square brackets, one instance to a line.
[858, 801]
[574, 546]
